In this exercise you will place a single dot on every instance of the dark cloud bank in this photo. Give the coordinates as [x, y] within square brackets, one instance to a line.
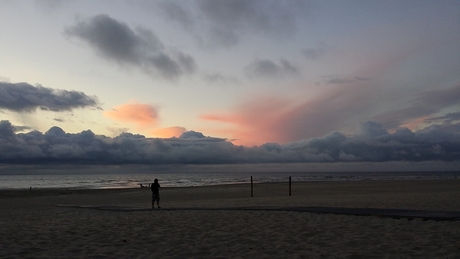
[138, 47]
[372, 144]
[225, 22]
[23, 97]
[264, 68]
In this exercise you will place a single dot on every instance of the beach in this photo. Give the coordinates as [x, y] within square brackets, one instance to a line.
[34, 227]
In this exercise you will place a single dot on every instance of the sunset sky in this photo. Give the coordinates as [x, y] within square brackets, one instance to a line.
[271, 75]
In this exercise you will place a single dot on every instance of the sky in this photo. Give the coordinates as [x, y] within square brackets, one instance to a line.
[229, 82]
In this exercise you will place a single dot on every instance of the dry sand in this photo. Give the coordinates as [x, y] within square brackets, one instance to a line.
[33, 227]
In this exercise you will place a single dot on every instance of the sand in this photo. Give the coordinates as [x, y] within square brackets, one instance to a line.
[33, 227]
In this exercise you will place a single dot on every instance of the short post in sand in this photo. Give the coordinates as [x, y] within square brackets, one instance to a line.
[252, 190]
[289, 186]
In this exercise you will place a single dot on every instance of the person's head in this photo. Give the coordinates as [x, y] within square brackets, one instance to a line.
[155, 181]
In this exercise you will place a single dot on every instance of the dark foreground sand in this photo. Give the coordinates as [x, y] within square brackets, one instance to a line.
[33, 227]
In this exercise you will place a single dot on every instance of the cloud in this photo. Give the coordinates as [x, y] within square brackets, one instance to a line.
[142, 115]
[438, 99]
[372, 129]
[22, 128]
[23, 97]
[372, 144]
[138, 47]
[446, 118]
[254, 121]
[259, 119]
[343, 80]
[174, 11]
[115, 131]
[192, 135]
[219, 78]
[375, 144]
[7, 130]
[145, 117]
[264, 68]
[316, 53]
[343, 104]
[224, 22]
[422, 107]
[196, 139]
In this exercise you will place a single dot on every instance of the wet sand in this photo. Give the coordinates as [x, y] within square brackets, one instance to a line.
[33, 227]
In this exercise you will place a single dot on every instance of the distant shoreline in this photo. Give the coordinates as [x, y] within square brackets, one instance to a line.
[34, 192]
[126, 181]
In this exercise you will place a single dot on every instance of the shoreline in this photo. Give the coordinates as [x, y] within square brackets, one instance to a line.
[223, 184]
[111, 181]
[391, 194]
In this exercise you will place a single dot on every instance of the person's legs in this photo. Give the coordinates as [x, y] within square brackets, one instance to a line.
[155, 197]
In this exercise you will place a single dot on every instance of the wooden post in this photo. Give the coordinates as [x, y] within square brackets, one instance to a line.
[252, 189]
[289, 186]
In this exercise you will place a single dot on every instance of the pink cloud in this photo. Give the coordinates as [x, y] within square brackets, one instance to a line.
[416, 123]
[275, 119]
[259, 120]
[252, 122]
[145, 117]
[142, 115]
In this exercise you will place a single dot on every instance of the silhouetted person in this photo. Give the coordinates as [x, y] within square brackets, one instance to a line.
[155, 187]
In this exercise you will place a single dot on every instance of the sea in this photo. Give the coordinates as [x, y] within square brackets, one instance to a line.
[189, 179]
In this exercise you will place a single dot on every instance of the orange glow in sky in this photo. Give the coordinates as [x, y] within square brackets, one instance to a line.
[416, 123]
[167, 132]
[142, 115]
[253, 121]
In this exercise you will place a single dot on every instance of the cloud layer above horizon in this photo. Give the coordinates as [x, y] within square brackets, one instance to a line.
[372, 144]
